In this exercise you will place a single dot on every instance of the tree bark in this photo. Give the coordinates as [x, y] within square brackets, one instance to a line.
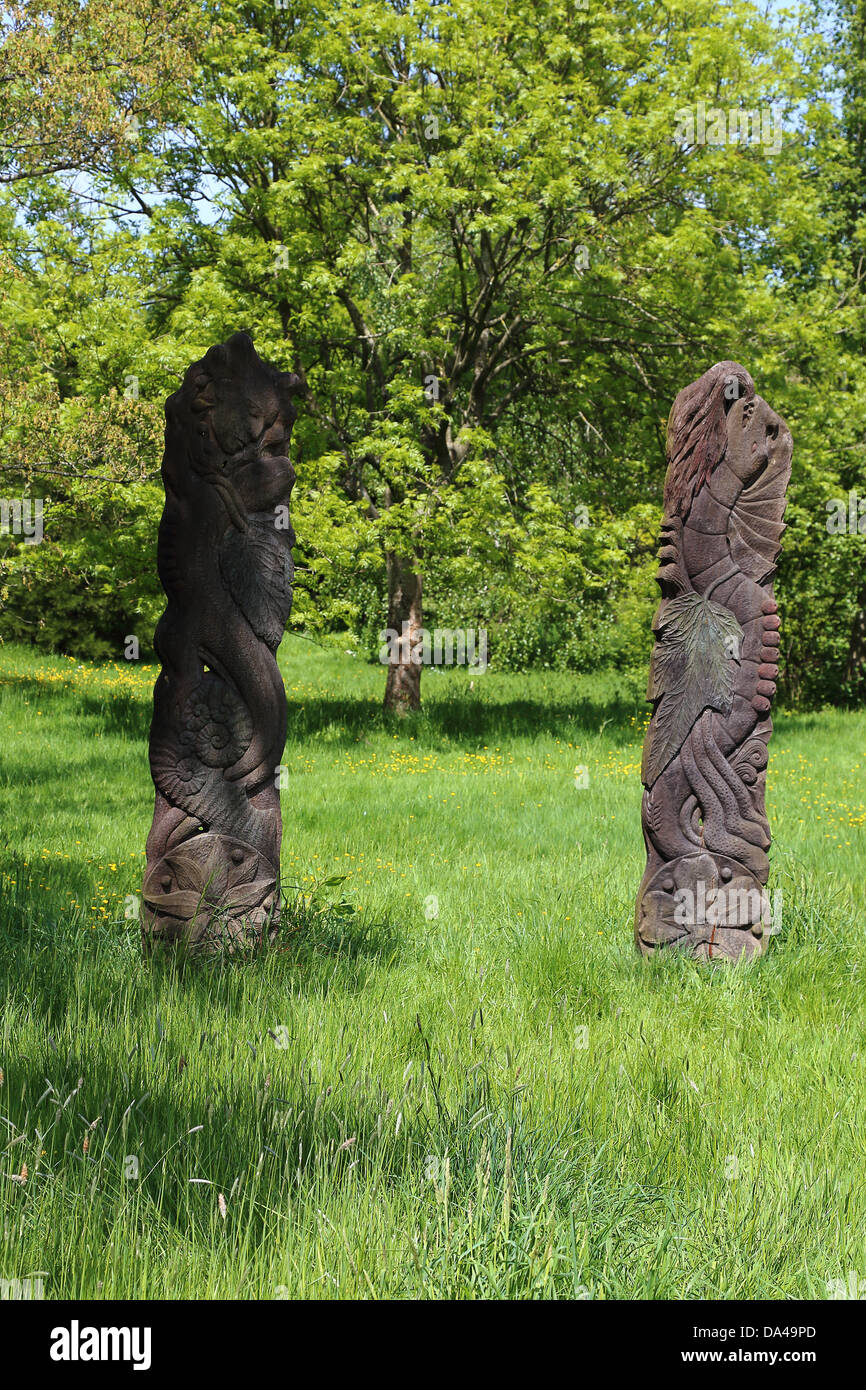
[403, 685]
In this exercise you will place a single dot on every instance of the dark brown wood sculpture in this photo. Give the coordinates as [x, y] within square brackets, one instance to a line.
[219, 705]
[713, 672]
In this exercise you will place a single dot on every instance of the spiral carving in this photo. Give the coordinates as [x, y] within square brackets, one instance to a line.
[713, 672]
[219, 706]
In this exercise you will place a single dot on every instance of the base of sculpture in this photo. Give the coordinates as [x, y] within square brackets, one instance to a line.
[212, 894]
[711, 906]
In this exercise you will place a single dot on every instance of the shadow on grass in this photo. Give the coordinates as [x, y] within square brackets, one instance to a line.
[451, 715]
[460, 719]
[121, 713]
[277, 1134]
[212, 1101]
[216, 1078]
[46, 949]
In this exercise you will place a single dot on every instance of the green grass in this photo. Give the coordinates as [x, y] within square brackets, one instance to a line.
[433, 1127]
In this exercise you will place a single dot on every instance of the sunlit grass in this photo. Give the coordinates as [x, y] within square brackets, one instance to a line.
[469, 1086]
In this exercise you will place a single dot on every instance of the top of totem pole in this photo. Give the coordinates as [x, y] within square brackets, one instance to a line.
[229, 400]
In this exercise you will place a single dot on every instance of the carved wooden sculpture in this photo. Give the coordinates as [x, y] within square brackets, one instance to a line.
[713, 671]
[219, 706]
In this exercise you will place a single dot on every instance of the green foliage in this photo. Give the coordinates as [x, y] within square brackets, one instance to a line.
[489, 198]
[91, 582]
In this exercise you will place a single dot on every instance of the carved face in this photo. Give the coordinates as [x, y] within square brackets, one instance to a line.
[758, 439]
[250, 413]
[263, 474]
[241, 412]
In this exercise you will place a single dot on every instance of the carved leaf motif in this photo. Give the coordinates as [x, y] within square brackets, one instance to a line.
[692, 669]
[256, 569]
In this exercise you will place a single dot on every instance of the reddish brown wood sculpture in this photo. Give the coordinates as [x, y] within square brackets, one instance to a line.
[713, 671]
[219, 706]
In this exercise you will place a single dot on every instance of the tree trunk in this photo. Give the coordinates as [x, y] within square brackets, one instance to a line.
[405, 619]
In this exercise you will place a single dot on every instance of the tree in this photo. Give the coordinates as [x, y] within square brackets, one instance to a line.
[436, 212]
[485, 236]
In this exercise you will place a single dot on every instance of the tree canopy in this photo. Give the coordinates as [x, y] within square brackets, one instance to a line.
[495, 240]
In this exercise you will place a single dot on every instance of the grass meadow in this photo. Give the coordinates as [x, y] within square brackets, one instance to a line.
[452, 1077]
